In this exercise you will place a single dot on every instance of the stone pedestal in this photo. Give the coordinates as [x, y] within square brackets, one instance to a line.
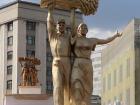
[29, 99]
[28, 95]
[29, 89]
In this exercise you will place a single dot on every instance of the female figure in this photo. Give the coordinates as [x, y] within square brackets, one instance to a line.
[33, 73]
[82, 71]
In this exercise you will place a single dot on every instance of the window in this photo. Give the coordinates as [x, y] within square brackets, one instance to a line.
[121, 96]
[30, 40]
[104, 103]
[96, 79]
[68, 29]
[97, 65]
[115, 77]
[109, 81]
[9, 55]
[137, 28]
[9, 84]
[121, 74]
[104, 84]
[96, 59]
[10, 41]
[128, 97]
[10, 26]
[128, 68]
[118, 102]
[9, 69]
[49, 86]
[109, 102]
[30, 53]
[49, 71]
[49, 57]
[115, 98]
[31, 25]
[48, 43]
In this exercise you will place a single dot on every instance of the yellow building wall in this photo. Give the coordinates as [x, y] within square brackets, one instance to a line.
[116, 54]
[126, 83]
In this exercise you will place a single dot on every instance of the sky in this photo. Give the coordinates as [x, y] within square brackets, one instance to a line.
[112, 15]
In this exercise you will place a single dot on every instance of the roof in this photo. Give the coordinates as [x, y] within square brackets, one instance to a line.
[25, 2]
[17, 1]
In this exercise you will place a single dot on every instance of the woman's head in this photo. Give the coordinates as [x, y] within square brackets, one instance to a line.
[82, 29]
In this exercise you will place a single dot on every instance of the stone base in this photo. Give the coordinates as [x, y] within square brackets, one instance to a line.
[29, 89]
[20, 99]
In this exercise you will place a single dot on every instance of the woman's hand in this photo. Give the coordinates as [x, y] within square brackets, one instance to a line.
[118, 34]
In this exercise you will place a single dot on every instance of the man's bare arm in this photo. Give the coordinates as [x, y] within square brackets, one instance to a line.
[50, 22]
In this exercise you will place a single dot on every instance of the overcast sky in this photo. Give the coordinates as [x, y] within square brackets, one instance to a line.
[112, 15]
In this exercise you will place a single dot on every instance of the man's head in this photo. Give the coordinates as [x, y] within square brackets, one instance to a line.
[61, 26]
[82, 29]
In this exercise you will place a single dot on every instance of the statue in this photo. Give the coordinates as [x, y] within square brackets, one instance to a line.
[25, 75]
[61, 66]
[61, 46]
[82, 71]
[33, 75]
[29, 72]
[72, 87]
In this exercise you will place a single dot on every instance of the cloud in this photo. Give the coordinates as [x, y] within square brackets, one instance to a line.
[100, 33]
[114, 14]
[2, 2]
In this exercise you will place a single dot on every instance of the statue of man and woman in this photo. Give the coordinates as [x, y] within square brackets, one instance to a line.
[72, 84]
[29, 72]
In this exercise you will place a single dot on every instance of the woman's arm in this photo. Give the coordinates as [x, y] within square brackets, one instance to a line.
[105, 41]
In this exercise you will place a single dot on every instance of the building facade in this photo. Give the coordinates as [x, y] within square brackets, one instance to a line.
[95, 100]
[97, 70]
[121, 68]
[23, 32]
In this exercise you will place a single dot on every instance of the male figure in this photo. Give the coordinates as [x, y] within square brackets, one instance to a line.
[25, 75]
[60, 47]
